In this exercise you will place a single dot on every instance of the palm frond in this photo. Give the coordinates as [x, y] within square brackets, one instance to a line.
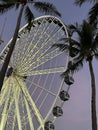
[96, 56]
[75, 28]
[68, 45]
[93, 15]
[62, 47]
[73, 52]
[70, 41]
[10, 1]
[73, 47]
[74, 67]
[46, 8]
[77, 65]
[87, 32]
[80, 2]
[28, 16]
[73, 43]
[95, 43]
[64, 39]
[5, 7]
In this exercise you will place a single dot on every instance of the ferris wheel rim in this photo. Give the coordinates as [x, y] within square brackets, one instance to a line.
[47, 16]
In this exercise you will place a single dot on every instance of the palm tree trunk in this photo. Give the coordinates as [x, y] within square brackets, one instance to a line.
[93, 98]
[12, 45]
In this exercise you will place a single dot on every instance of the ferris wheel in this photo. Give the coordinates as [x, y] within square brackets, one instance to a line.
[34, 92]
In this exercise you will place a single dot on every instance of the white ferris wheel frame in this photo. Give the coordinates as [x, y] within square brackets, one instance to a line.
[61, 69]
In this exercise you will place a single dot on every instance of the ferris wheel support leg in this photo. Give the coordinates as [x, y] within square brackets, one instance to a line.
[29, 115]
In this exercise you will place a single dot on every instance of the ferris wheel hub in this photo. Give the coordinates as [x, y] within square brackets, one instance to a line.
[10, 71]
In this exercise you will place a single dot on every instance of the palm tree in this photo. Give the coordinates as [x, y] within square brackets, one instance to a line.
[93, 13]
[6, 5]
[83, 49]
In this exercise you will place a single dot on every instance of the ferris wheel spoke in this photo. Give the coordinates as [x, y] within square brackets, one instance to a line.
[46, 58]
[3, 91]
[38, 86]
[14, 120]
[29, 115]
[45, 71]
[49, 92]
[46, 45]
[17, 110]
[48, 41]
[35, 109]
[30, 47]
[42, 89]
[26, 49]
[11, 101]
[54, 100]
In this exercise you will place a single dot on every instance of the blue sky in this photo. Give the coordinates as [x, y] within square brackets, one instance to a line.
[77, 112]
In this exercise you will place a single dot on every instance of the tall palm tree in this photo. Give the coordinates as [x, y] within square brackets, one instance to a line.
[93, 13]
[83, 49]
[6, 5]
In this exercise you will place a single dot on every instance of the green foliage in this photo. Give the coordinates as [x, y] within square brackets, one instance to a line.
[5, 7]
[46, 7]
[93, 13]
[83, 48]
[42, 7]
[29, 16]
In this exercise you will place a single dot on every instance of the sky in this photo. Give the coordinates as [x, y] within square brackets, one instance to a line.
[77, 111]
